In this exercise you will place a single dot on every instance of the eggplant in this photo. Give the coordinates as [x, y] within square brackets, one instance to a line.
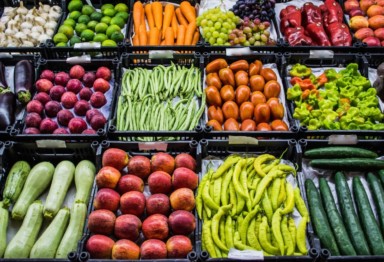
[7, 108]
[23, 81]
[3, 80]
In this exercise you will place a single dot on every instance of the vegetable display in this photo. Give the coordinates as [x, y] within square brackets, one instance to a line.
[247, 204]
[334, 100]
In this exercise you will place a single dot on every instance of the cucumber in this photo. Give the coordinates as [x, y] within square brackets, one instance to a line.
[378, 197]
[21, 244]
[335, 220]
[381, 175]
[4, 218]
[349, 216]
[339, 152]
[84, 176]
[368, 221]
[74, 230]
[48, 242]
[319, 219]
[62, 179]
[348, 164]
[15, 182]
[37, 181]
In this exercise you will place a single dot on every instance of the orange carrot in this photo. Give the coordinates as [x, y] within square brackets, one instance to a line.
[169, 37]
[196, 37]
[157, 11]
[174, 25]
[149, 15]
[143, 35]
[191, 28]
[186, 10]
[135, 40]
[181, 18]
[169, 10]
[138, 12]
[154, 36]
[162, 42]
[147, 36]
[181, 35]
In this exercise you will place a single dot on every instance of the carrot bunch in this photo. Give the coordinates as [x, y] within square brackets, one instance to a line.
[167, 25]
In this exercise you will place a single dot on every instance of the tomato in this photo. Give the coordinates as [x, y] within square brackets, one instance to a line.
[246, 110]
[257, 83]
[213, 96]
[242, 94]
[227, 93]
[255, 68]
[239, 65]
[213, 79]
[268, 74]
[231, 124]
[226, 76]
[272, 89]
[248, 125]
[277, 109]
[262, 113]
[215, 113]
[257, 98]
[263, 127]
[216, 126]
[230, 110]
[241, 78]
[279, 125]
[216, 65]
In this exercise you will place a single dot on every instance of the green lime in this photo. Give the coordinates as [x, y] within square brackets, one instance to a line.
[87, 10]
[96, 16]
[79, 28]
[74, 40]
[109, 42]
[118, 21]
[91, 25]
[87, 35]
[75, 5]
[106, 20]
[121, 7]
[61, 44]
[60, 37]
[123, 15]
[74, 15]
[84, 19]
[106, 6]
[117, 37]
[101, 28]
[109, 12]
[111, 29]
[66, 30]
[100, 38]
[70, 22]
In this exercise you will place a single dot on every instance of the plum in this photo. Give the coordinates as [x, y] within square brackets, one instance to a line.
[56, 92]
[52, 108]
[101, 85]
[47, 74]
[60, 131]
[88, 79]
[42, 97]
[98, 99]
[74, 85]
[103, 72]
[33, 120]
[77, 125]
[85, 93]
[97, 121]
[81, 107]
[69, 99]
[47, 126]
[35, 106]
[43, 85]
[91, 113]
[77, 72]
[61, 78]
[31, 131]
[64, 116]
[89, 132]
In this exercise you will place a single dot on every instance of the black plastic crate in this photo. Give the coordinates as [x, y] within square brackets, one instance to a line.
[148, 150]
[146, 61]
[213, 149]
[265, 59]
[58, 65]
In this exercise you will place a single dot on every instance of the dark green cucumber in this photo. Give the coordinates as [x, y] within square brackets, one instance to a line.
[381, 175]
[319, 219]
[378, 197]
[348, 164]
[368, 221]
[350, 218]
[341, 235]
[339, 152]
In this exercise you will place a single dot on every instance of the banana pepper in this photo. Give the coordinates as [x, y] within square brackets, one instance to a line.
[300, 70]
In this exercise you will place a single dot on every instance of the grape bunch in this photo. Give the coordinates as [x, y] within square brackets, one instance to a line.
[252, 9]
[217, 25]
[250, 33]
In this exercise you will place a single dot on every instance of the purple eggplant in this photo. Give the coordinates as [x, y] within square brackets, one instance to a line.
[23, 81]
[3, 81]
[7, 108]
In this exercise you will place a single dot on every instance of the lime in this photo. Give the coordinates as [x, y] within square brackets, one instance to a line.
[118, 21]
[123, 15]
[109, 42]
[79, 28]
[61, 44]
[69, 22]
[111, 29]
[66, 30]
[87, 35]
[91, 25]
[100, 38]
[101, 28]
[87, 10]
[106, 6]
[60, 37]
[74, 15]
[84, 19]
[109, 12]
[121, 7]
[74, 40]
[117, 37]
[96, 16]
[75, 5]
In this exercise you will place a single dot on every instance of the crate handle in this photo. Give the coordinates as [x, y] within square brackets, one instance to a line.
[160, 54]
[246, 254]
[51, 143]
[321, 54]
[87, 45]
[158, 146]
[342, 140]
[79, 59]
[242, 140]
[238, 51]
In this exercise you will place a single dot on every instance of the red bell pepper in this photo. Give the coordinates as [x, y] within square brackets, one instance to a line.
[296, 37]
[290, 17]
[305, 84]
[311, 14]
[318, 35]
[333, 12]
[339, 34]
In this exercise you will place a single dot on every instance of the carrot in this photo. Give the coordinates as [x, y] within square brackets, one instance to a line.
[149, 15]
[135, 40]
[138, 12]
[186, 10]
[169, 10]
[174, 25]
[143, 35]
[169, 37]
[154, 36]
[181, 35]
[191, 28]
[162, 42]
[181, 18]
[196, 37]
[147, 36]
[157, 11]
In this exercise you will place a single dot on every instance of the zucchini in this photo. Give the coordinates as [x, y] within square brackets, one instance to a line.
[62, 179]
[37, 181]
[15, 182]
[48, 242]
[84, 177]
[381, 175]
[349, 216]
[21, 244]
[343, 241]
[4, 218]
[339, 152]
[319, 219]
[368, 221]
[348, 164]
[378, 197]
[74, 230]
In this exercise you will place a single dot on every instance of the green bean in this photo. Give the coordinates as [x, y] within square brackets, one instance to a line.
[229, 232]
[244, 226]
[215, 226]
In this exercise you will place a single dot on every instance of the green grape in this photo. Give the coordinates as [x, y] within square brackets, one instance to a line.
[204, 22]
[227, 44]
[217, 25]
[246, 43]
[212, 29]
[207, 35]
[214, 18]
[215, 34]
[230, 14]
[220, 41]
[226, 25]
[212, 40]
[209, 23]
[224, 30]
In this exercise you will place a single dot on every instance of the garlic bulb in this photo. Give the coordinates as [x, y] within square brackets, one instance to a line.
[9, 11]
[44, 16]
[49, 32]
[27, 43]
[20, 35]
[50, 25]
[22, 10]
[5, 19]
[56, 9]
[44, 8]
[2, 27]
[9, 32]
[43, 38]
[35, 35]
[37, 28]
[39, 21]
[26, 31]
[26, 25]
[54, 16]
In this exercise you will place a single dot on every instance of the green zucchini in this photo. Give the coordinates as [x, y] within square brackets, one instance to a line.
[4, 218]
[62, 179]
[319, 219]
[378, 197]
[15, 182]
[368, 221]
[381, 175]
[343, 241]
[349, 216]
[339, 152]
[84, 176]
[348, 164]
[48, 242]
[21, 244]
[74, 230]
[37, 182]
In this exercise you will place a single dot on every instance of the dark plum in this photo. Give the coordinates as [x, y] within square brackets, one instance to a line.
[42, 97]
[47, 74]
[33, 120]
[62, 78]
[74, 85]
[52, 108]
[97, 121]
[64, 116]
[81, 107]
[69, 99]
[98, 99]
[91, 113]
[56, 92]
[89, 132]
[47, 126]
[85, 93]
[60, 131]
[77, 125]
[31, 131]
[35, 106]
[88, 79]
